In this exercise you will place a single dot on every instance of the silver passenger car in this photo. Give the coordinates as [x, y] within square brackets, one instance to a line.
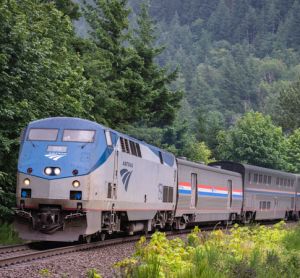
[268, 194]
[207, 194]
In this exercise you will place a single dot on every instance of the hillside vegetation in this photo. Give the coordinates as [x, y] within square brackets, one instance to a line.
[205, 79]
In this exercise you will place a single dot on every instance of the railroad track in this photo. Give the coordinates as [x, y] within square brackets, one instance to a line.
[13, 248]
[31, 254]
[34, 255]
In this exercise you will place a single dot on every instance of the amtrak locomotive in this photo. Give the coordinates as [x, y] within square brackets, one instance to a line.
[78, 179]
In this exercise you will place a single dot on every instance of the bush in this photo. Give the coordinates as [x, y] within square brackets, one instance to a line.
[247, 252]
[8, 235]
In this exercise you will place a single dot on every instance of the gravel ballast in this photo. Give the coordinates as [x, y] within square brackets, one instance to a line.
[73, 264]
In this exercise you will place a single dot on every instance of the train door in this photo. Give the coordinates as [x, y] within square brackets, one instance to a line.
[194, 190]
[229, 198]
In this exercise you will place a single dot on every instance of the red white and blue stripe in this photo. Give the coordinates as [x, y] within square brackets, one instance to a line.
[208, 190]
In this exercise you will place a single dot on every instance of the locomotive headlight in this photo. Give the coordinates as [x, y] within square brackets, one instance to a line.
[57, 171]
[48, 171]
[76, 184]
[26, 182]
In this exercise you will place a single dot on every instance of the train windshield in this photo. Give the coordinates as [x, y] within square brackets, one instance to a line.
[42, 134]
[75, 135]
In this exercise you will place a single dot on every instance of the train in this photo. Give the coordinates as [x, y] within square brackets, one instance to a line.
[78, 180]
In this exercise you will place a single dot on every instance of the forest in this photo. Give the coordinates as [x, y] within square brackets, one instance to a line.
[204, 79]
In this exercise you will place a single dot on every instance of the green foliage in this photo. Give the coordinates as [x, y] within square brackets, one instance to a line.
[45, 272]
[289, 101]
[244, 252]
[232, 57]
[255, 140]
[92, 273]
[134, 89]
[292, 155]
[8, 235]
[176, 139]
[40, 76]
[159, 102]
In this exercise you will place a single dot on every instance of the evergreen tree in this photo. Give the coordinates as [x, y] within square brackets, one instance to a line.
[289, 103]
[219, 22]
[119, 100]
[160, 103]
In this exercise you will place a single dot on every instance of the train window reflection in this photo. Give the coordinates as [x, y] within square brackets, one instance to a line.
[76, 135]
[42, 134]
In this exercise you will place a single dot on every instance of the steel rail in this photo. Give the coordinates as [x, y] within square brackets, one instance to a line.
[13, 248]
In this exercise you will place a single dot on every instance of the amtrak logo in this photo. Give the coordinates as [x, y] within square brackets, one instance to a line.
[55, 156]
[125, 174]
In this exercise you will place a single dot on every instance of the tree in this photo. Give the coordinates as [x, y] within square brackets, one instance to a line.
[40, 75]
[133, 89]
[68, 7]
[254, 140]
[219, 22]
[292, 155]
[289, 103]
[160, 103]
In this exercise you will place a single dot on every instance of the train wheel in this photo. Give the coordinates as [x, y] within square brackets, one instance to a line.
[102, 236]
[88, 239]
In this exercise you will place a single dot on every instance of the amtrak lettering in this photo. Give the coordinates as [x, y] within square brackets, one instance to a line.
[127, 164]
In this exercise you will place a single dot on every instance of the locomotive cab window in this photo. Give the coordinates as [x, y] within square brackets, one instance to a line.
[42, 134]
[108, 138]
[76, 135]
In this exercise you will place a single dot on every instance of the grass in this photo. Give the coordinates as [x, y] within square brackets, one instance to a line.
[245, 252]
[8, 235]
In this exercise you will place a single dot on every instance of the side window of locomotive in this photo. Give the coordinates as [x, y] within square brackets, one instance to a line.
[108, 138]
[249, 177]
[160, 157]
[260, 178]
[42, 134]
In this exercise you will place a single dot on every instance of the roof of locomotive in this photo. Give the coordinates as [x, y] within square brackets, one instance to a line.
[78, 123]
